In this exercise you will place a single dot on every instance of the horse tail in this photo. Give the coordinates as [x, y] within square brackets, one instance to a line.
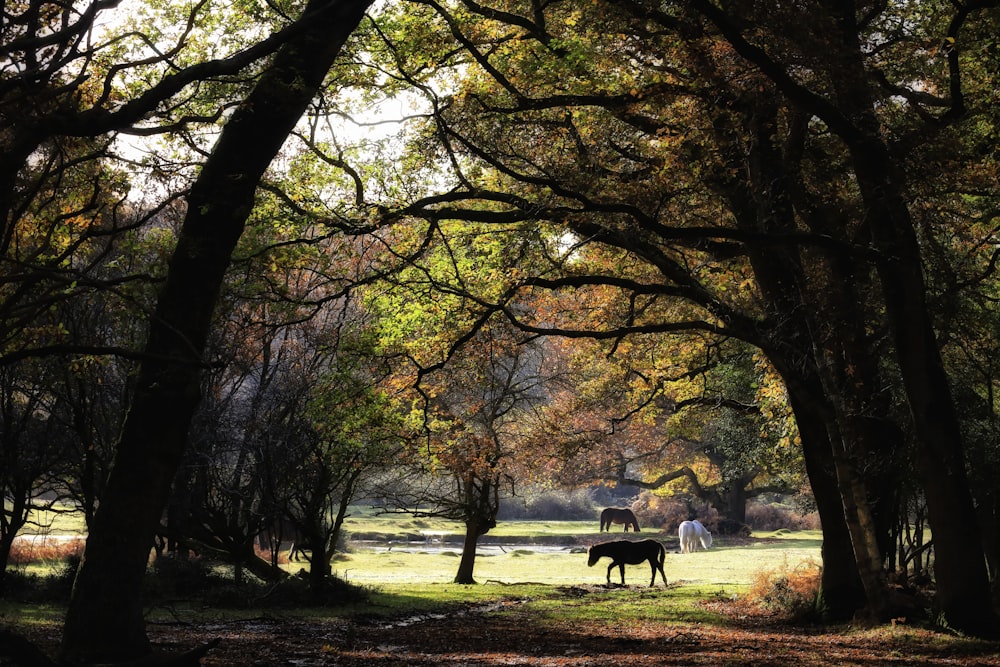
[663, 561]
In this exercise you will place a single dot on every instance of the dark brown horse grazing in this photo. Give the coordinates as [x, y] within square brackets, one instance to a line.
[624, 552]
[279, 532]
[618, 515]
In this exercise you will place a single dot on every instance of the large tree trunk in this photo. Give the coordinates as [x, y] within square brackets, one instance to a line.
[320, 554]
[841, 593]
[482, 502]
[761, 188]
[854, 493]
[105, 621]
[736, 499]
[963, 592]
[863, 448]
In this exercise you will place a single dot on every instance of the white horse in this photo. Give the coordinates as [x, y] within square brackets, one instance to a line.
[692, 534]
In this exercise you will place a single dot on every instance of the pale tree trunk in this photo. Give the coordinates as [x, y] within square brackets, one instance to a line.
[105, 621]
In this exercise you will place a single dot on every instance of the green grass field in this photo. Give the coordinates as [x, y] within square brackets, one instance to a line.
[417, 580]
[536, 552]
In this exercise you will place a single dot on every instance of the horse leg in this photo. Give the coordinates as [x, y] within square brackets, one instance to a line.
[621, 568]
[655, 565]
[660, 559]
[610, 567]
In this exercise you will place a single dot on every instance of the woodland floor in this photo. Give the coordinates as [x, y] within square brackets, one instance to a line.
[509, 633]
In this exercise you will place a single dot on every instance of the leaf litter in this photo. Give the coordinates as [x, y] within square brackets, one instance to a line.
[511, 633]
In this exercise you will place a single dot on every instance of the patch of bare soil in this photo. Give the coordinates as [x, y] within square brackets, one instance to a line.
[507, 634]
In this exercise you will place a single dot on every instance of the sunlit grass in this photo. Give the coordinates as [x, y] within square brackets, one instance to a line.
[400, 526]
[623, 606]
[535, 559]
[367, 566]
[723, 565]
[61, 520]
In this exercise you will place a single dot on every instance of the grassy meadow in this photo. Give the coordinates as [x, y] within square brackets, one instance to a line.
[407, 551]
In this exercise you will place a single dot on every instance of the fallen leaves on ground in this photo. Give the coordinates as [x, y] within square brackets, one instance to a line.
[511, 634]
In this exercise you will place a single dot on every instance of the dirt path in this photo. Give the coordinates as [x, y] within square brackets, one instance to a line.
[508, 634]
[514, 633]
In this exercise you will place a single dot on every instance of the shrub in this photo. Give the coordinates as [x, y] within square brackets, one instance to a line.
[53, 587]
[786, 591]
[551, 505]
[659, 512]
[667, 513]
[45, 548]
[775, 517]
[181, 577]
[203, 580]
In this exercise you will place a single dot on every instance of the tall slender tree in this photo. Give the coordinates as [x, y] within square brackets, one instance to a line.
[105, 619]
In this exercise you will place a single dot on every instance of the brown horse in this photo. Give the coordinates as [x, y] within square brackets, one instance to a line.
[623, 552]
[276, 534]
[618, 515]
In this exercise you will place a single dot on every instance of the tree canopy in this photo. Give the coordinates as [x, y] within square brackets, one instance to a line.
[718, 242]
